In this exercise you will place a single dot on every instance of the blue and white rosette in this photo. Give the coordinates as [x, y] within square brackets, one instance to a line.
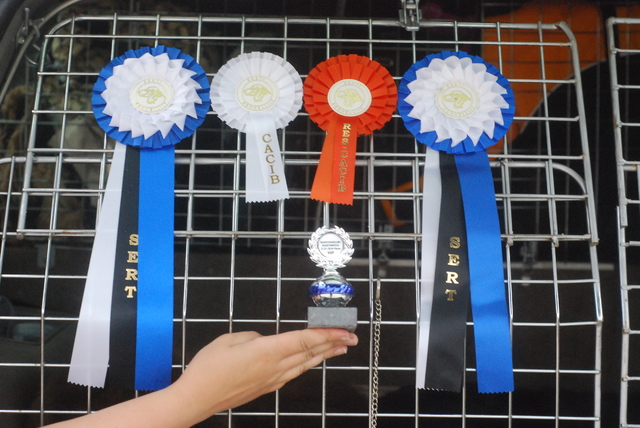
[258, 93]
[148, 99]
[151, 97]
[456, 103]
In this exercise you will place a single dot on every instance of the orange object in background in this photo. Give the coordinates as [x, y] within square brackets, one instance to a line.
[628, 37]
[525, 61]
[387, 206]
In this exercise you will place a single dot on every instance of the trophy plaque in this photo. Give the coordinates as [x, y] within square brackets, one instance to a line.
[330, 249]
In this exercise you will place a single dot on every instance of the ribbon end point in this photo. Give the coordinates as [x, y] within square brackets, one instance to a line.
[319, 199]
[83, 383]
[330, 201]
[251, 201]
[496, 392]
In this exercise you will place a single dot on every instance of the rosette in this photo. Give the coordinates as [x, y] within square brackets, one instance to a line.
[151, 97]
[148, 99]
[347, 96]
[455, 102]
[258, 93]
[458, 106]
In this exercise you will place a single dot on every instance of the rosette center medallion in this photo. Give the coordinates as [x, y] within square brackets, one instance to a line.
[349, 97]
[151, 95]
[457, 100]
[257, 93]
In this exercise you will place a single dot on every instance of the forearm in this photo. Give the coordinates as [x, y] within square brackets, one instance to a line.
[166, 408]
[230, 371]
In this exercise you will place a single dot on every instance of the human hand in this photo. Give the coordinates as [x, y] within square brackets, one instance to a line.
[239, 367]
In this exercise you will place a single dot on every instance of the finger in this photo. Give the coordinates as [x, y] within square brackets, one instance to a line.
[297, 370]
[300, 341]
[313, 356]
[232, 339]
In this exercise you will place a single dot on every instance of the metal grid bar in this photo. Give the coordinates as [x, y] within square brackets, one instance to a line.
[242, 266]
[623, 49]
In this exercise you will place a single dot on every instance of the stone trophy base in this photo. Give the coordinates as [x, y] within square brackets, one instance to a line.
[332, 317]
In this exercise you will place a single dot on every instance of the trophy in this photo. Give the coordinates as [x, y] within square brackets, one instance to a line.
[331, 249]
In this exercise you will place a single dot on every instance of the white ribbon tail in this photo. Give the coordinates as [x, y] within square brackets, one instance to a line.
[90, 357]
[431, 198]
[265, 180]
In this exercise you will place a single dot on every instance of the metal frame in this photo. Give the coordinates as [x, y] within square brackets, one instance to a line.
[627, 174]
[536, 188]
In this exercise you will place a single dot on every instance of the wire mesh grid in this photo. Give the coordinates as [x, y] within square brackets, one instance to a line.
[242, 266]
[624, 47]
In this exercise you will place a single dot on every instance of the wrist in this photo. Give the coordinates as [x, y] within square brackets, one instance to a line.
[193, 407]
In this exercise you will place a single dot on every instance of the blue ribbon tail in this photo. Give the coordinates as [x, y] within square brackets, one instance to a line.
[155, 269]
[488, 301]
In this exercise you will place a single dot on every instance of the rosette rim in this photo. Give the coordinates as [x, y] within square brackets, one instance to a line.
[447, 145]
[157, 140]
[278, 71]
[322, 77]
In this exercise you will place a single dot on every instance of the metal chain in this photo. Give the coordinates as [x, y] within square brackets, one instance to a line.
[376, 353]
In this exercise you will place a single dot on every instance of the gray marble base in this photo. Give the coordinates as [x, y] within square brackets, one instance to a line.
[323, 317]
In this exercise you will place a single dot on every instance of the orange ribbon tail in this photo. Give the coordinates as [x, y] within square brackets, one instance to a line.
[335, 176]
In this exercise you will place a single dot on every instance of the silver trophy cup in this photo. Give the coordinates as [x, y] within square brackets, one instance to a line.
[331, 249]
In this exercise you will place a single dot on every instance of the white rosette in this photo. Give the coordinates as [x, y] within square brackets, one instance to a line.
[258, 93]
[457, 98]
[150, 94]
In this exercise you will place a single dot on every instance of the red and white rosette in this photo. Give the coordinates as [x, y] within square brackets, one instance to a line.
[347, 96]
[258, 93]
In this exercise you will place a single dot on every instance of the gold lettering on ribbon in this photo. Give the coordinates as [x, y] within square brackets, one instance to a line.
[450, 294]
[132, 275]
[342, 171]
[270, 158]
[133, 257]
[130, 289]
[454, 260]
[452, 278]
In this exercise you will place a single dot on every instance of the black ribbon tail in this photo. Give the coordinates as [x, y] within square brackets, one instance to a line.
[122, 343]
[445, 357]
